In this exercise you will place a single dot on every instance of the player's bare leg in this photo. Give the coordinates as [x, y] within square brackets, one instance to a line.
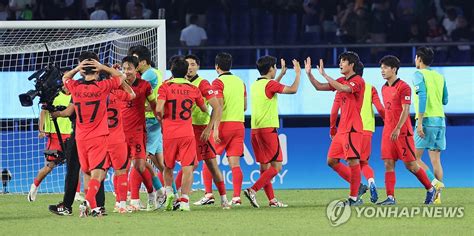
[187, 182]
[270, 171]
[39, 178]
[434, 180]
[218, 180]
[237, 178]
[168, 178]
[435, 156]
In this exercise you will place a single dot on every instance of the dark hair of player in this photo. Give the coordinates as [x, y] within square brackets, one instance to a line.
[390, 61]
[179, 68]
[88, 55]
[131, 59]
[142, 52]
[174, 58]
[351, 57]
[193, 57]
[426, 55]
[265, 63]
[359, 69]
[224, 61]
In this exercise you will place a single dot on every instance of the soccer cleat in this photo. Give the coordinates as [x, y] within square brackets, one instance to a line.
[430, 196]
[277, 204]
[97, 212]
[226, 205]
[150, 206]
[60, 209]
[184, 206]
[123, 210]
[439, 186]
[84, 209]
[116, 207]
[251, 196]
[387, 202]
[79, 197]
[205, 201]
[357, 202]
[236, 201]
[176, 204]
[160, 200]
[169, 202]
[362, 190]
[32, 193]
[103, 211]
[374, 196]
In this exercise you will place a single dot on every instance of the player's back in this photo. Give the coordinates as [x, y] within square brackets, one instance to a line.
[90, 102]
[233, 93]
[180, 96]
[115, 103]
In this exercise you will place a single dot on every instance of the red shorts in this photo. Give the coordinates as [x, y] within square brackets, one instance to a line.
[232, 141]
[366, 146]
[346, 146]
[266, 145]
[53, 141]
[403, 148]
[93, 154]
[118, 155]
[53, 144]
[136, 145]
[179, 149]
[205, 150]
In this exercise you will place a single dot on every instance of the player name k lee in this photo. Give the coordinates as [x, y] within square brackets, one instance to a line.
[180, 91]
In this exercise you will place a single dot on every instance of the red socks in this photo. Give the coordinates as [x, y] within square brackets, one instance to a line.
[265, 178]
[146, 178]
[343, 171]
[268, 189]
[135, 183]
[117, 199]
[366, 170]
[220, 188]
[122, 187]
[93, 188]
[390, 183]
[355, 180]
[36, 182]
[237, 180]
[207, 178]
[179, 179]
[423, 178]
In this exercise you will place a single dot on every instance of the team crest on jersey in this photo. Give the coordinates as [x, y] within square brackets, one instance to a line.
[407, 98]
[352, 83]
[210, 92]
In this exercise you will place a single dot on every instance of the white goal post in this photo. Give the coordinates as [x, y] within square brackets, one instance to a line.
[22, 52]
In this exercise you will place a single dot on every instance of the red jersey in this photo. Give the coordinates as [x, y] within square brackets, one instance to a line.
[351, 104]
[180, 96]
[393, 98]
[134, 110]
[115, 103]
[337, 104]
[90, 104]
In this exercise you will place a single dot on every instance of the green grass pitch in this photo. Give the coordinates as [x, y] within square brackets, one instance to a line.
[306, 215]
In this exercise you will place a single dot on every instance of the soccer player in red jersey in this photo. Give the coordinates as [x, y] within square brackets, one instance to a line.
[174, 107]
[397, 136]
[117, 147]
[370, 97]
[206, 133]
[135, 135]
[231, 94]
[90, 103]
[265, 122]
[347, 143]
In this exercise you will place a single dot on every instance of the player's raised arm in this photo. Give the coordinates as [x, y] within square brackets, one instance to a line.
[70, 74]
[294, 87]
[333, 116]
[333, 83]
[316, 84]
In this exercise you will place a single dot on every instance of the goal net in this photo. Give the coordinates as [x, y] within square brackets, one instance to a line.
[22, 52]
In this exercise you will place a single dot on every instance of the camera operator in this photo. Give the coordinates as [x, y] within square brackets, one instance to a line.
[46, 129]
